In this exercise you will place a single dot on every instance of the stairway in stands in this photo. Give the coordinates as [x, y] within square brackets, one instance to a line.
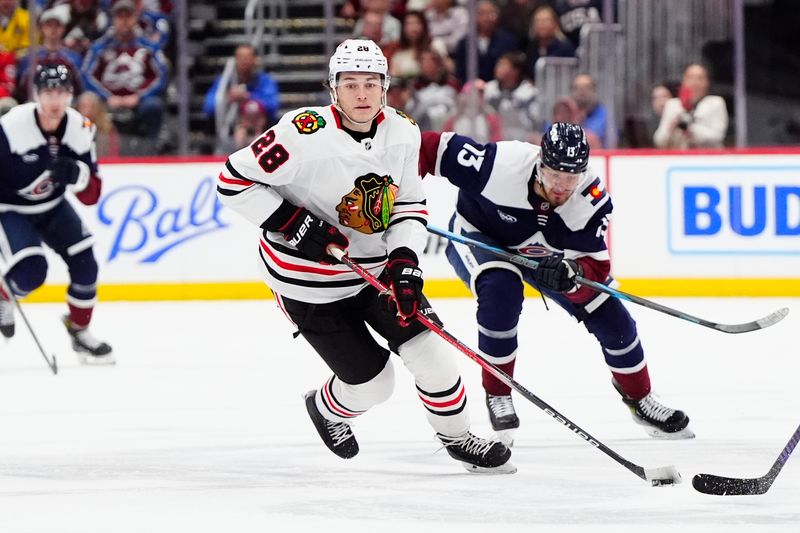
[299, 64]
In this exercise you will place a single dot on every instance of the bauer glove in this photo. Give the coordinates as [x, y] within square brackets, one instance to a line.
[405, 281]
[312, 236]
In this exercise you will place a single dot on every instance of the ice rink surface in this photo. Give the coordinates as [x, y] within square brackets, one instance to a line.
[201, 427]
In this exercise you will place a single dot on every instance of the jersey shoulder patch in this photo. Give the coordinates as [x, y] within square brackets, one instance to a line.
[308, 121]
[594, 192]
[405, 116]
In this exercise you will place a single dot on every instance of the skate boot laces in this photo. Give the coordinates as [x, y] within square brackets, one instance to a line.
[501, 406]
[339, 432]
[469, 443]
[653, 409]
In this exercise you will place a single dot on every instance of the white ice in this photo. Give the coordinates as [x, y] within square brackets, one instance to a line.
[201, 427]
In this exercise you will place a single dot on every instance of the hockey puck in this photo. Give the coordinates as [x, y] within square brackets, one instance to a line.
[662, 482]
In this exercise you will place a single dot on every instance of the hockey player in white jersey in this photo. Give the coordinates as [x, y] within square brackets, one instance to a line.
[549, 205]
[47, 149]
[346, 175]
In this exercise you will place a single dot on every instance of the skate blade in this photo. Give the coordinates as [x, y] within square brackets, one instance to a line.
[506, 468]
[506, 436]
[96, 360]
[656, 433]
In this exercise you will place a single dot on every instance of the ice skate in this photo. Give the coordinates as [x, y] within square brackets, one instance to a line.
[89, 349]
[477, 455]
[7, 327]
[503, 417]
[658, 420]
[337, 436]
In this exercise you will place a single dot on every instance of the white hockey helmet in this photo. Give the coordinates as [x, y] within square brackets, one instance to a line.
[358, 55]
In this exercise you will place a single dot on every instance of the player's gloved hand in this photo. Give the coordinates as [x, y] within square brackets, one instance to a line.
[557, 274]
[64, 170]
[405, 281]
[312, 236]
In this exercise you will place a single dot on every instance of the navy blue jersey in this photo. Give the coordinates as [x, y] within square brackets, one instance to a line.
[496, 197]
[26, 152]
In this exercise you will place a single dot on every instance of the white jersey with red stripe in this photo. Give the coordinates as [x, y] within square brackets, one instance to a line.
[369, 189]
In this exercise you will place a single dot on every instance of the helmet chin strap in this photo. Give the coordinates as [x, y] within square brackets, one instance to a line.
[335, 99]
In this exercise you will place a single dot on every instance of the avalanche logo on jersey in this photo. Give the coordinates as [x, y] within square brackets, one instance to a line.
[402, 114]
[594, 191]
[536, 246]
[308, 122]
[368, 206]
[39, 189]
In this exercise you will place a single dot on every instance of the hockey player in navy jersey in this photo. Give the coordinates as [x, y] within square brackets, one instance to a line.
[347, 175]
[545, 203]
[47, 150]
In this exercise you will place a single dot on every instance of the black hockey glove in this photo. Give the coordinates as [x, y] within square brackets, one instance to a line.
[405, 280]
[64, 170]
[312, 236]
[557, 274]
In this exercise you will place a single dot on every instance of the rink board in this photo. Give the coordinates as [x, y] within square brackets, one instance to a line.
[699, 224]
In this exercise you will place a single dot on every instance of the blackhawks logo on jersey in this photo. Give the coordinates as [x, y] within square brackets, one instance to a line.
[368, 206]
[402, 114]
[308, 122]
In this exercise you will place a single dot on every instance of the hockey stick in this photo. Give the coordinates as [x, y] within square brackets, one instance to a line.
[666, 475]
[50, 362]
[732, 486]
[767, 321]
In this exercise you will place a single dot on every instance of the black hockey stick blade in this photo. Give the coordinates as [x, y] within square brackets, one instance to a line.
[731, 486]
[769, 320]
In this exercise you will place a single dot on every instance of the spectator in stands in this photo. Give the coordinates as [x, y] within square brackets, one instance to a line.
[376, 15]
[15, 28]
[514, 98]
[53, 51]
[695, 119]
[472, 117]
[594, 114]
[404, 55]
[399, 94]
[249, 83]
[659, 96]
[547, 40]
[252, 121]
[515, 16]
[129, 72]
[87, 23]
[492, 43]
[107, 141]
[566, 110]
[353, 9]
[573, 14]
[435, 92]
[447, 22]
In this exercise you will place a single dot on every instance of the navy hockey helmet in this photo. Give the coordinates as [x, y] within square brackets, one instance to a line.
[565, 148]
[52, 76]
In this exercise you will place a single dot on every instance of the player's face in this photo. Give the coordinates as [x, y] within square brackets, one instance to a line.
[359, 95]
[53, 103]
[558, 186]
